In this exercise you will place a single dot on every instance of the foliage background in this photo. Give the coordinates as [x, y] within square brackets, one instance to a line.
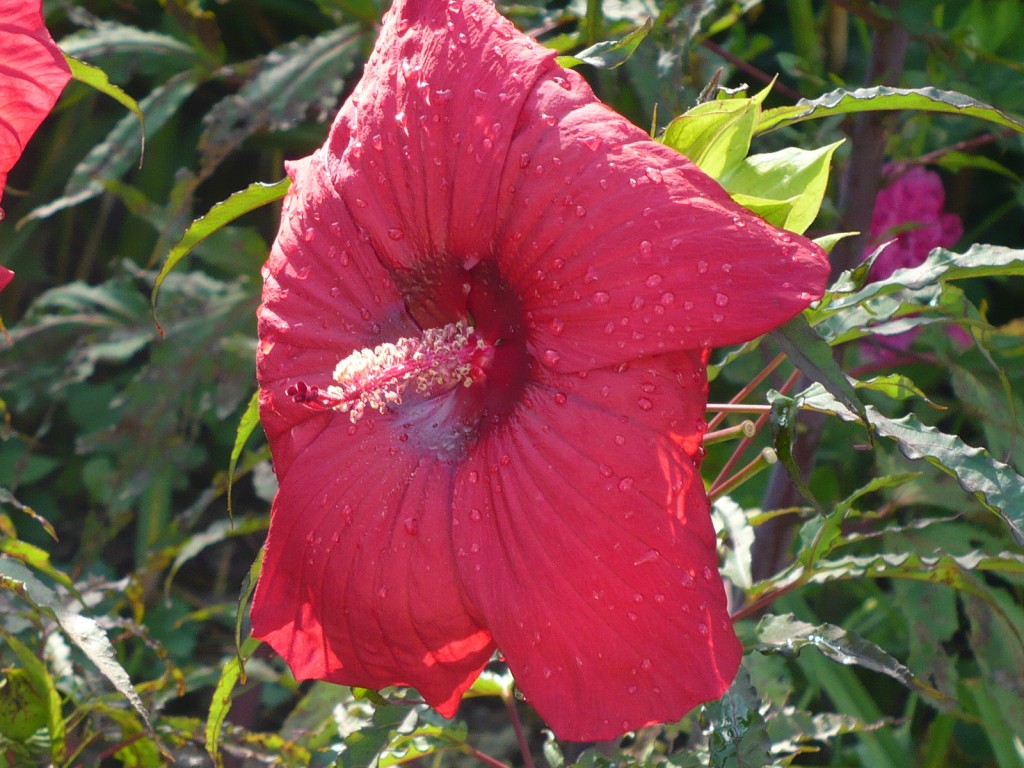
[119, 436]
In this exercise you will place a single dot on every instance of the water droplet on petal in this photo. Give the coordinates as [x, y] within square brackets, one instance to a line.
[551, 357]
[702, 267]
[377, 142]
[593, 143]
[703, 629]
[560, 398]
[395, 233]
[562, 83]
[721, 300]
[601, 297]
[645, 404]
[382, 592]
[412, 526]
[654, 175]
[581, 211]
[646, 248]
[626, 484]
[653, 281]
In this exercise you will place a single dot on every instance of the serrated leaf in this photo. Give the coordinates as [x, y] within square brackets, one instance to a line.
[736, 525]
[737, 735]
[116, 154]
[97, 79]
[133, 49]
[289, 81]
[240, 203]
[883, 98]
[784, 187]
[83, 631]
[610, 53]
[790, 729]
[996, 485]
[788, 635]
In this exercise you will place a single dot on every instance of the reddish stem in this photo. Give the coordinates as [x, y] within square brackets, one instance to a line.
[751, 385]
[517, 726]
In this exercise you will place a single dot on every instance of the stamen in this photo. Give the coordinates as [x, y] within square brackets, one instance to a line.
[436, 362]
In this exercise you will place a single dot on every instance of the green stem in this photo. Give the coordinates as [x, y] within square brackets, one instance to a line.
[593, 22]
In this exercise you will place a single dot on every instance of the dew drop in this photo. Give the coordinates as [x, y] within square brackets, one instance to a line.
[647, 557]
[686, 579]
[717, 317]
[653, 281]
[560, 398]
[620, 440]
[659, 598]
[646, 248]
[548, 119]
[377, 142]
[360, 203]
[631, 690]
[475, 515]
[601, 297]
[382, 592]
[524, 160]
[644, 404]
[593, 143]
[702, 267]
[412, 526]
[707, 573]
[309, 234]
[605, 470]
[395, 233]
[721, 300]
[626, 484]
[654, 175]
[668, 298]
[562, 83]
[557, 326]
[703, 629]
[551, 357]
[632, 616]
[580, 211]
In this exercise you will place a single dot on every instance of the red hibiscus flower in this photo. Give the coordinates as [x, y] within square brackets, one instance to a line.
[32, 75]
[482, 373]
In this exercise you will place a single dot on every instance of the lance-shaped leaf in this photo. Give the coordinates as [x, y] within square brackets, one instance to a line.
[788, 635]
[97, 79]
[610, 53]
[884, 98]
[996, 485]
[83, 631]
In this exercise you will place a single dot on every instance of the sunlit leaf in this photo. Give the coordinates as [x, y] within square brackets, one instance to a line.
[240, 203]
[96, 78]
[841, 102]
[42, 682]
[786, 634]
[246, 426]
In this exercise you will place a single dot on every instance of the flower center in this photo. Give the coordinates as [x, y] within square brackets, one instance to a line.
[436, 362]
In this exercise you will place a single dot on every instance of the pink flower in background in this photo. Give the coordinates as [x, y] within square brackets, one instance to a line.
[483, 338]
[911, 211]
[32, 75]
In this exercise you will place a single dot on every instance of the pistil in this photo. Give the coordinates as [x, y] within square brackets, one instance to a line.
[436, 362]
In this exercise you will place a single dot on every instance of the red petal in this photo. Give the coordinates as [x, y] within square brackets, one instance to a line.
[6, 276]
[628, 246]
[358, 584]
[421, 143]
[587, 546]
[325, 294]
[32, 75]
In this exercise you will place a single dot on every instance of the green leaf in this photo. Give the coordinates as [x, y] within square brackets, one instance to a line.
[246, 425]
[784, 187]
[289, 82]
[125, 51]
[42, 682]
[736, 730]
[245, 594]
[115, 155]
[787, 635]
[883, 98]
[996, 485]
[735, 524]
[814, 357]
[82, 630]
[97, 79]
[610, 53]
[240, 203]
[716, 134]
[220, 705]
[219, 530]
[23, 706]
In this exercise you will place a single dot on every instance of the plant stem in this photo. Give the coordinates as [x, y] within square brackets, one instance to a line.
[517, 726]
[745, 428]
[751, 385]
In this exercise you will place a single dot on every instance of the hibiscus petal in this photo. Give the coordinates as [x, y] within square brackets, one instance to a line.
[6, 276]
[629, 245]
[420, 151]
[359, 585]
[32, 75]
[325, 294]
[608, 608]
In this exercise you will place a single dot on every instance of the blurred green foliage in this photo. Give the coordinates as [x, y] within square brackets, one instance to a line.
[897, 632]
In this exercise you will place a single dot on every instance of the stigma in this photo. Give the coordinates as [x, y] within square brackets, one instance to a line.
[437, 361]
